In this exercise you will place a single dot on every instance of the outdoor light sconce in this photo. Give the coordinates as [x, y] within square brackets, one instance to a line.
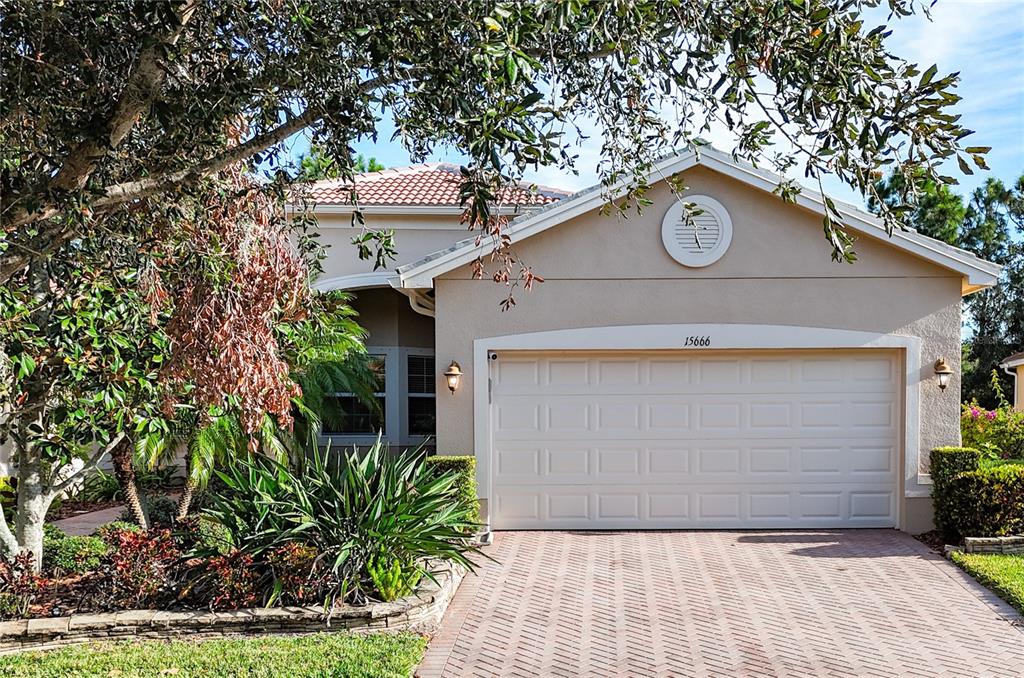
[454, 375]
[943, 371]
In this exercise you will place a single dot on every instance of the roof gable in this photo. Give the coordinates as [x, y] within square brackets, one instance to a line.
[976, 273]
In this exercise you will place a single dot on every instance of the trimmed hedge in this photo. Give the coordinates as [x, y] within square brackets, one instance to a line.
[465, 485]
[987, 502]
[972, 501]
[945, 464]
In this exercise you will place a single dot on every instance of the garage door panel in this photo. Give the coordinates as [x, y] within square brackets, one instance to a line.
[600, 416]
[766, 506]
[843, 373]
[721, 440]
[673, 461]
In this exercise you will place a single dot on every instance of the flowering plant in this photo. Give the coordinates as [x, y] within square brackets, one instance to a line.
[998, 433]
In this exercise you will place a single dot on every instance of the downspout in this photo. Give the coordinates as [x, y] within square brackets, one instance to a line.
[418, 299]
[1016, 384]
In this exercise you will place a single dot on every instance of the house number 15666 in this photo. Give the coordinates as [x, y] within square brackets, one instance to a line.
[701, 342]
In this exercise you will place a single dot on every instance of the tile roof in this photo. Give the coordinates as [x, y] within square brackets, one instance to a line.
[1014, 358]
[431, 184]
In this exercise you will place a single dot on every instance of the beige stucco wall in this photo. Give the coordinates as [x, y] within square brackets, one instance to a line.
[390, 321]
[603, 271]
[415, 237]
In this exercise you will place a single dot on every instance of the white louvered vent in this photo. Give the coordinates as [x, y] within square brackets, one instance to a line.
[701, 239]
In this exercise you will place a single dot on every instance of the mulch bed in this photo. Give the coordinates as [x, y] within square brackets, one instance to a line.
[932, 540]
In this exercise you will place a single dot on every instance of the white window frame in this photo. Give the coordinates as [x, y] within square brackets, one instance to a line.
[396, 394]
[407, 438]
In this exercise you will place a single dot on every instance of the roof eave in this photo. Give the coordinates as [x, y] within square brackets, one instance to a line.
[977, 273]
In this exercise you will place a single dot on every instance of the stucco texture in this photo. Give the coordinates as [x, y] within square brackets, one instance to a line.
[607, 271]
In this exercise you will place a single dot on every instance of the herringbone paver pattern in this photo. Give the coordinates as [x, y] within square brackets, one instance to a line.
[827, 603]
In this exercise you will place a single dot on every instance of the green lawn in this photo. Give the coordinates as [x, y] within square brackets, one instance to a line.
[323, 654]
[1004, 574]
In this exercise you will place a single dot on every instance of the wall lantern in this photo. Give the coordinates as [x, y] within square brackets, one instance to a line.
[454, 375]
[943, 371]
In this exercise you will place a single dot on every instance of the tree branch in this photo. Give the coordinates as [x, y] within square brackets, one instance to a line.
[92, 463]
[143, 84]
[54, 235]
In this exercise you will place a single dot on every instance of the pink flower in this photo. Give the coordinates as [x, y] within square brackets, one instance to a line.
[975, 412]
[991, 414]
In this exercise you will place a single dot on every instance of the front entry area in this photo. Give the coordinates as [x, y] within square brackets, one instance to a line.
[695, 439]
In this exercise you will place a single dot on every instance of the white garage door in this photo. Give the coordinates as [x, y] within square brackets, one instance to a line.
[694, 440]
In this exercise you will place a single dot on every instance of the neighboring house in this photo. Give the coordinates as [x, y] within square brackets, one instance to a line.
[651, 382]
[1014, 366]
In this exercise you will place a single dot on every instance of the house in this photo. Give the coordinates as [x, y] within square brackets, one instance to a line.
[1014, 366]
[717, 372]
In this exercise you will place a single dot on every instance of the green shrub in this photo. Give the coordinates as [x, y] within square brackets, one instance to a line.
[206, 537]
[987, 502]
[464, 490]
[65, 554]
[106, 531]
[945, 464]
[349, 509]
[393, 578]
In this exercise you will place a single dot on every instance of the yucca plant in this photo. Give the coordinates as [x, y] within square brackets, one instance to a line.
[355, 509]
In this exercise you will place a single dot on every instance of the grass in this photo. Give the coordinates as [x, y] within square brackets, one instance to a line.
[1003, 573]
[321, 655]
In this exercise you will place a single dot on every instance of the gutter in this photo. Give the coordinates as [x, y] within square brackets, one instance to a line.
[1013, 373]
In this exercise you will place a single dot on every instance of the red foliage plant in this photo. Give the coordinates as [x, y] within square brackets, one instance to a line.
[294, 567]
[141, 564]
[228, 276]
[20, 585]
[234, 581]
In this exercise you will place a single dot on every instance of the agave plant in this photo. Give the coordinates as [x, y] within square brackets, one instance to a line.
[361, 510]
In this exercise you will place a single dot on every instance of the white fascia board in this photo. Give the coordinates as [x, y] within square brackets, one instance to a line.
[356, 281]
[978, 273]
[1013, 363]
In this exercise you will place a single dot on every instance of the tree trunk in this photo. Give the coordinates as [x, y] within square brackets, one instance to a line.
[185, 500]
[123, 462]
[33, 502]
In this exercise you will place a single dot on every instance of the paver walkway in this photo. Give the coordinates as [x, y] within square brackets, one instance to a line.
[823, 603]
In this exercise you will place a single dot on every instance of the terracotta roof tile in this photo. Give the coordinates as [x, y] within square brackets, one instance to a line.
[433, 184]
[1014, 358]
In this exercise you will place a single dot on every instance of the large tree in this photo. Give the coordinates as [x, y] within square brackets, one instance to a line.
[108, 103]
[143, 121]
[993, 228]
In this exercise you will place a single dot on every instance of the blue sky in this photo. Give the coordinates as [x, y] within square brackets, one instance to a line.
[983, 39]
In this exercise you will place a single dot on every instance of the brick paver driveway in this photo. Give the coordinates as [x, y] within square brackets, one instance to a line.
[854, 602]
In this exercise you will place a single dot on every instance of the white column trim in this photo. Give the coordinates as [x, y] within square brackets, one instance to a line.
[723, 336]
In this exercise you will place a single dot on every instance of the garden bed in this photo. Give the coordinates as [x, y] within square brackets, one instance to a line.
[421, 612]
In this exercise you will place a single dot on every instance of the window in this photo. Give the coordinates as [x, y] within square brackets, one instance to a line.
[406, 399]
[421, 384]
[356, 418]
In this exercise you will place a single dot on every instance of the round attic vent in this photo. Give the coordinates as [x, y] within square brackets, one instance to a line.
[699, 239]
